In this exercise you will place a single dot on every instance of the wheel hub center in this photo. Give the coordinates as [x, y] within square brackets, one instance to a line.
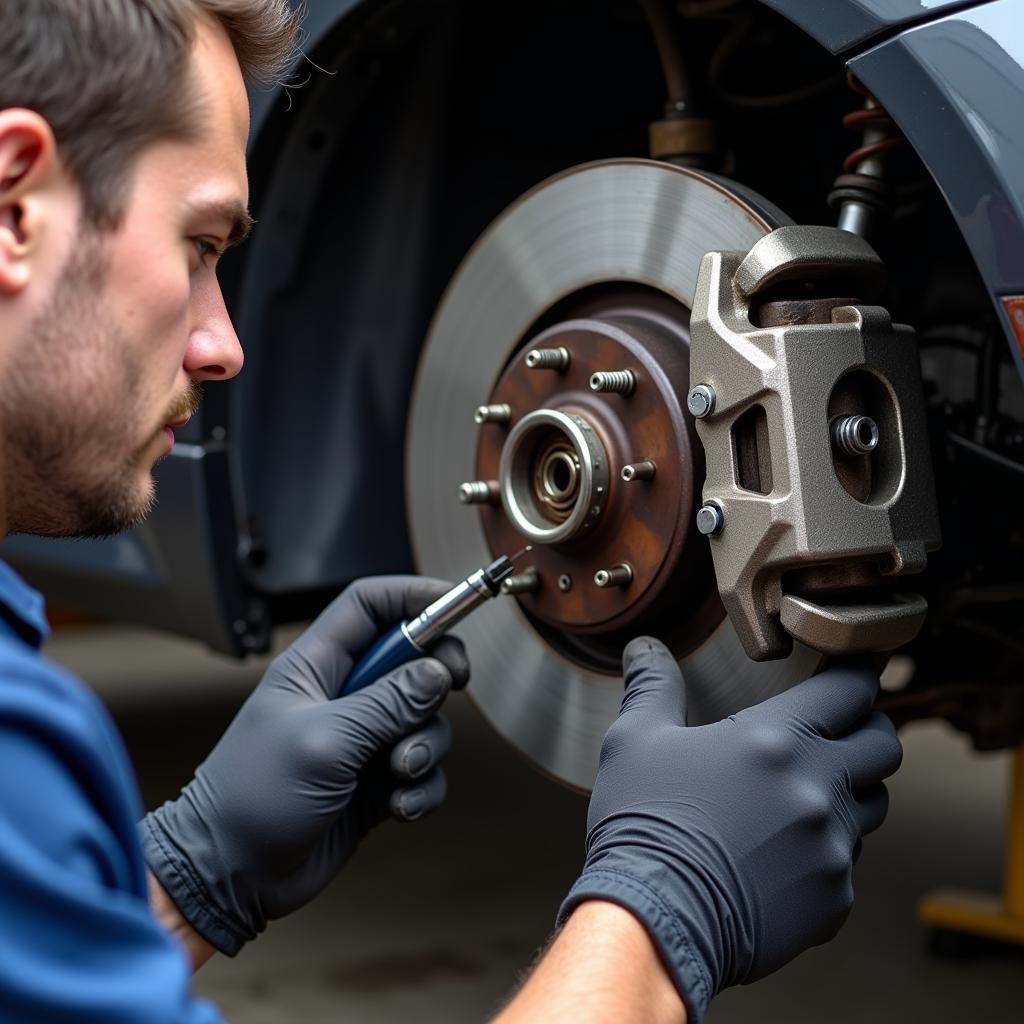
[553, 476]
[597, 467]
[556, 481]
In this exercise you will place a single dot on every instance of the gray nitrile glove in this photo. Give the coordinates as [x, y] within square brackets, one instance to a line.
[734, 843]
[300, 775]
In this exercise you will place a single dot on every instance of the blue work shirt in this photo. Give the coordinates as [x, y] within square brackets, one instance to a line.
[77, 939]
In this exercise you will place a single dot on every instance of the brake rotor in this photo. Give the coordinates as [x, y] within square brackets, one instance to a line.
[599, 263]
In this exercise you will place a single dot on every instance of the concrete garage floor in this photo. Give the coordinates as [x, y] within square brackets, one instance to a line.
[433, 922]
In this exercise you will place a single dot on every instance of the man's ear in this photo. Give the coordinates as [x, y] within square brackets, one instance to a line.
[28, 166]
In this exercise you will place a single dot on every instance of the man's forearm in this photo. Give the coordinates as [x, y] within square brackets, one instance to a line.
[602, 968]
[169, 917]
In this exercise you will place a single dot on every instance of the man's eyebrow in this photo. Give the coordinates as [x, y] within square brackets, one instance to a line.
[233, 213]
[241, 225]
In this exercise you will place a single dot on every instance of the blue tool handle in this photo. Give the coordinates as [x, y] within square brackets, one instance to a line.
[393, 649]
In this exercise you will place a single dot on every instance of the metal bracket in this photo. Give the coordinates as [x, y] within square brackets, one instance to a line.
[809, 533]
[854, 628]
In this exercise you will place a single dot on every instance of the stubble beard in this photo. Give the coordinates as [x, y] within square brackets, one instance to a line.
[69, 399]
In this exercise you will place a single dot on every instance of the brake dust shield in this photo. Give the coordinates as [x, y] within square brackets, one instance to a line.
[619, 225]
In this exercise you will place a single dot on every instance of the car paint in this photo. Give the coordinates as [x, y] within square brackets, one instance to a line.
[955, 87]
[841, 25]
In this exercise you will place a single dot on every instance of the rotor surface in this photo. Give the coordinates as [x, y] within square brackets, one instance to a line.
[615, 223]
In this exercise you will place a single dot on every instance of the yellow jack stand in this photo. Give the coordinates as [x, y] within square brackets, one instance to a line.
[996, 918]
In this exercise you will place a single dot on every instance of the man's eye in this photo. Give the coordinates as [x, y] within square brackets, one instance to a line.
[207, 250]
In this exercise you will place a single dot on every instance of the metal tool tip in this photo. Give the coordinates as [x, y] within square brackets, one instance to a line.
[519, 554]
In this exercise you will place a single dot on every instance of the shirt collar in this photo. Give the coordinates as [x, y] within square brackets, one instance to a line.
[22, 609]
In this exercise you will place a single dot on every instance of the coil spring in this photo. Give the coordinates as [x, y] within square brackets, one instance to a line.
[876, 117]
[862, 186]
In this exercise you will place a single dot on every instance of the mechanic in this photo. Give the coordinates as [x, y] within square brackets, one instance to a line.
[714, 854]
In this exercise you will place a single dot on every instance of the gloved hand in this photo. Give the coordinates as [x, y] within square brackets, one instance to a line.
[300, 775]
[734, 843]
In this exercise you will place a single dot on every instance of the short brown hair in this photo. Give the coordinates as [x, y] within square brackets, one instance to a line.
[110, 76]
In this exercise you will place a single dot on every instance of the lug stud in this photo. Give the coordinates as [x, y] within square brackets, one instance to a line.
[616, 382]
[710, 520]
[548, 359]
[639, 471]
[479, 492]
[565, 583]
[701, 400]
[500, 414]
[527, 582]
[620, 575]
[854, 435]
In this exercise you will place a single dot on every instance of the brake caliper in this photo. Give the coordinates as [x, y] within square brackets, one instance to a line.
[819, 483]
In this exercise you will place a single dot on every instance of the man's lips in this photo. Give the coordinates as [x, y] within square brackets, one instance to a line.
[167, 430]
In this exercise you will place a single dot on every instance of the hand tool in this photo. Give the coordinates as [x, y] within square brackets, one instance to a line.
[409, 640]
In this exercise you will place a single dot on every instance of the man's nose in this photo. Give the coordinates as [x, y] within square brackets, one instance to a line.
[214, 351]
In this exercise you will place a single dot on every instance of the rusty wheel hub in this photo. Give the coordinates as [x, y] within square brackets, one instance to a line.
[612, 555]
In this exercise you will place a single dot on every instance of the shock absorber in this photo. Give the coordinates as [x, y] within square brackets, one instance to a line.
[861, 193]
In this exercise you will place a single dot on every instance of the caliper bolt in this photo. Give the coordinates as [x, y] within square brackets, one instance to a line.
[523, 583]
[548, 359]
[493, 414]
[710, 519]
[565, 583]
[639, 471]
[701, 400]
[479, 492]
[616, 382]
[854, 435]
[620, 575]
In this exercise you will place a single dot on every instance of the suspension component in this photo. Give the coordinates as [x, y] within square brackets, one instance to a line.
[861, 194]
[813, 532]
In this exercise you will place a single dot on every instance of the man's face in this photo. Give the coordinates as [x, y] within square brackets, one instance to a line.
[113, 359]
